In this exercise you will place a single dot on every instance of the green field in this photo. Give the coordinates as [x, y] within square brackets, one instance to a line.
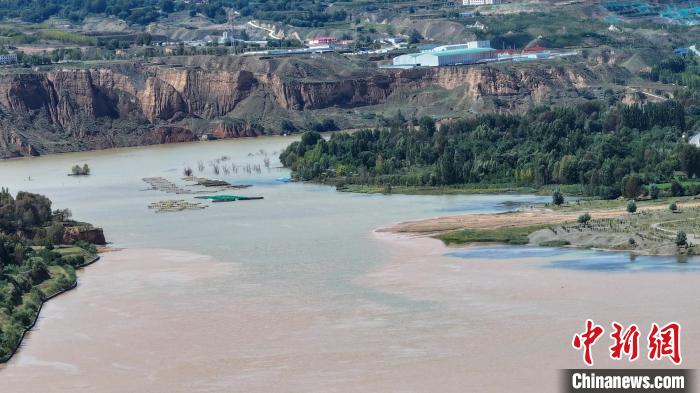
[506, 235]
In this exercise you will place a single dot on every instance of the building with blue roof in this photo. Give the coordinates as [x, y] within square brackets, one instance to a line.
[469, 53]
[682, 52]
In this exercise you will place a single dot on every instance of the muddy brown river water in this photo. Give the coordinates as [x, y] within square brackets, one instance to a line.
[298, 293]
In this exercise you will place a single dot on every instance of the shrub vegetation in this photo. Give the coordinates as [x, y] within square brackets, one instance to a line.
[607, 151]
[31, 267]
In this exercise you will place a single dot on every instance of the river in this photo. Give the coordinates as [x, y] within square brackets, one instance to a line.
[297, 292]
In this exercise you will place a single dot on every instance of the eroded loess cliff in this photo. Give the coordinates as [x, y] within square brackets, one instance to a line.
[131, 104]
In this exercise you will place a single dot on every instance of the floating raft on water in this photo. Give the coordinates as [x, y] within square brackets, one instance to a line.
[206, 182]
[171, 205]
[228, 198]
[162, 184]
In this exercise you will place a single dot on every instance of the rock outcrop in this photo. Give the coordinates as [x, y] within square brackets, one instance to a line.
[226, 130]
[87, 233]
[344, 93]
[171, 134]
[479, 82]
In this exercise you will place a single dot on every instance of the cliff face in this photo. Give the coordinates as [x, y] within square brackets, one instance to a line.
[88, 234]
[480, 82]
[224, 130]
[27, 92]
[12, 144]
[72, 107]
[348, 93]
[171, 134]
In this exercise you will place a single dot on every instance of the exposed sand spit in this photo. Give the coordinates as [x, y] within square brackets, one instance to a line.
[512, 219]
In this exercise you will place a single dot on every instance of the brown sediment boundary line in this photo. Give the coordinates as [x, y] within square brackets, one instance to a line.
[9, 356]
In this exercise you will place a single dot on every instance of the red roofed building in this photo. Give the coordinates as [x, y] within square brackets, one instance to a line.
[534, 48]
[323, 41]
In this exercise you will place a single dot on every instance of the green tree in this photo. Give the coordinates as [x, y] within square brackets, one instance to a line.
[78, 170]
[557, 197]
[427, 125]
[32, 210]
[62, 215]
[414, 37]
[39, 272]
[20, 253]
[631, 206]
[586, 145]
[567, 172]
[631, 186]
[167, 6]
[584, 218]
[144, 39]
[8, 222]
[54, 233]
[310, 138]
[287, 126]
[445, 168]
[681, 239]
[677, 188]
[654, 191]
[689, 158]
[673, 207]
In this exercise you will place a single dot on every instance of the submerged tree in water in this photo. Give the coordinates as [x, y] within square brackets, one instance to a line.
[78, 170]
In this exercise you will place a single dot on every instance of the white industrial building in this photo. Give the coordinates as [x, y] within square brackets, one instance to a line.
[480, 2]
[468, 45]
[445, 58]
[469, 53]
[10, 58]
[695, 140]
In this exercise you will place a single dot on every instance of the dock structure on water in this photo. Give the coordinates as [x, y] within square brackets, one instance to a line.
[162, 184]
[206, 182]
[165, 185]
[173, 205]
[211, 185]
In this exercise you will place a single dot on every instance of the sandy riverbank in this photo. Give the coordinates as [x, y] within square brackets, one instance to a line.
[526, 217]
[614, 229]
